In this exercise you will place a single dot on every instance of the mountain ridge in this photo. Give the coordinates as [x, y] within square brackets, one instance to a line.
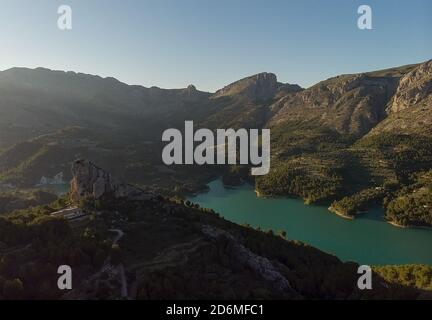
[320, 135]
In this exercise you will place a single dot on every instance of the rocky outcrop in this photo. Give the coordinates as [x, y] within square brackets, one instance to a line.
[262, 86]
[414, 88]
[260, 265]
[410, 109]
[88, 180]
[286, 88]
[350, 104]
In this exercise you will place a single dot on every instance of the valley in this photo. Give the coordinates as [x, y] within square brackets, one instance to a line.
[171, 249]
[343, 142]
[360, 144]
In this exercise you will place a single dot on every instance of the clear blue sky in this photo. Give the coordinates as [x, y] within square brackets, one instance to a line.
[211, 43]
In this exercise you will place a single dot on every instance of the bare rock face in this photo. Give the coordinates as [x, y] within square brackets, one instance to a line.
[410, 109]
[414, 88]
[350, 104]
[260, 265]
[91, 181]
[262, 86]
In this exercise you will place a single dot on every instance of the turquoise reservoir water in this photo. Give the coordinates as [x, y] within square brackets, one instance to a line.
[366, 240]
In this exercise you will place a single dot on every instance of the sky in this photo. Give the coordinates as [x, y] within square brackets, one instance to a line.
[174, 43]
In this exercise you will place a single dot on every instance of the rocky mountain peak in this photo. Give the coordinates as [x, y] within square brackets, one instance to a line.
[261, 86]
[191, 90]
[88, 180]
[191, 87]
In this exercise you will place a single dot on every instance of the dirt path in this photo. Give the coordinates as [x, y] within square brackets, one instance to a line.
[120, 267]
[172, 256]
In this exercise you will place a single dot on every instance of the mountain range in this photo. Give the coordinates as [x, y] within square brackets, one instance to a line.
[350, 142]
[354, 140]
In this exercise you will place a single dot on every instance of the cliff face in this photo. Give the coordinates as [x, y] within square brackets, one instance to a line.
[91, 181]
[410, 109]
[350, 104]
[396, 99]
[414, 88]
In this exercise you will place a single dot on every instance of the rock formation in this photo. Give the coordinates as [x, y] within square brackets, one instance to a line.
[91, 181]
[414, 88]
[262, 86]
[260, 265]
[349, 104]
[410, 109]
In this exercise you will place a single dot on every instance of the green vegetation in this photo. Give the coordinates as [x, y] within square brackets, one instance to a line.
[172, 258]
[168, 255]
[412, 204]
[21, 199]
[33, 245]
[321, 152]
[308, 162]
[385, 169]
[288, 180]
[406, 154]
[359, 202]
[418, 276]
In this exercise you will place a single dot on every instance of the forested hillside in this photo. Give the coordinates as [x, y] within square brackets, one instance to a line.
[351, 140]
[170, 249]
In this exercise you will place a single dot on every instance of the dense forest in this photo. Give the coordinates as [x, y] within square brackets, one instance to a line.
[359, 202]
[32, 246]
[292, 181]
[412, 204]
[334, 142]
[388, 170]
[351, 142]
[172, 249]
[419, 276]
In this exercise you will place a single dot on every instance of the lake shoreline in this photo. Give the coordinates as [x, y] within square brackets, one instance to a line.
[314, 226]
[344, 216]
[258, 194]
[394, 224]
[408, 226]
[340, 214]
